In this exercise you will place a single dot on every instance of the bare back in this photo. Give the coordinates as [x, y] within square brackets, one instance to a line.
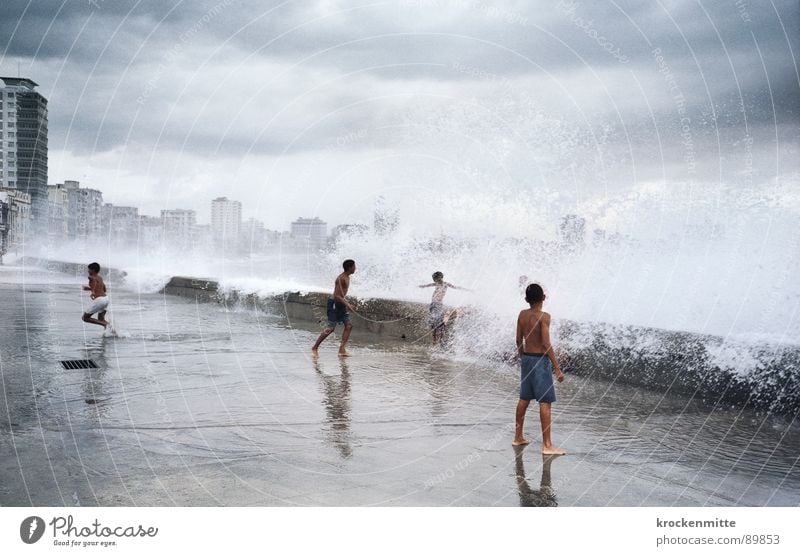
[533, 329]
[533, 336]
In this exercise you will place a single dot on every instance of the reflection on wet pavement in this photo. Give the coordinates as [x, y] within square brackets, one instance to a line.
[545, 495]
[336, 392]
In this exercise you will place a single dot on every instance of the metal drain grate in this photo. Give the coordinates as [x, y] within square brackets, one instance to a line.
[79, 364]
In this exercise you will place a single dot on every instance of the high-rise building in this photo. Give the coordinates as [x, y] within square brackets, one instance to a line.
[57, 212]
[84, 211]
[179, 228]
[120, 224]
[253, 236]
[310, 232]
[226, 223]
[4, 225]
[15, 207]
[23, 134]
[149, 232]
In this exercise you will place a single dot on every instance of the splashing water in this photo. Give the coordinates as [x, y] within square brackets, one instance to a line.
[670, 256]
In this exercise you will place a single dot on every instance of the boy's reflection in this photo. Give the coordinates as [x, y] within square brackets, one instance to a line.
[94, 380]
[545, 496]
[336, 392]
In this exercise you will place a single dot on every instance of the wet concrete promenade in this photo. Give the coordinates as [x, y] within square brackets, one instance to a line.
[199, 404]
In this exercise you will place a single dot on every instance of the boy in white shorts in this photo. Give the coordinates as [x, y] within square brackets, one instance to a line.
[99, 297]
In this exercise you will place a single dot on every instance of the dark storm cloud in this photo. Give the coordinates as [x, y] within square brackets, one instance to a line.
[148, 72]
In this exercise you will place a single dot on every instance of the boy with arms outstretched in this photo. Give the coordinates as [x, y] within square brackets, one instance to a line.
[436, 310]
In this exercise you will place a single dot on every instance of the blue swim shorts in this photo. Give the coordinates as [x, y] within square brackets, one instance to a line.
[337, 313]
[537, 378]
[436, 315]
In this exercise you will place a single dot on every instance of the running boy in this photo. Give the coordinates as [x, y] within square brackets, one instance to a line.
[99, 297]
[537, 363]
[338, 308]
[436, 310]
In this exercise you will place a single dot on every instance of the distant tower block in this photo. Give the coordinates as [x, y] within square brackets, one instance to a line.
[179, 228]
[310, 232]
[23, 144]
[226, 223]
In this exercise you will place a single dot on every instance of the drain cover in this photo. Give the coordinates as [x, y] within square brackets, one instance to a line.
[79, 364]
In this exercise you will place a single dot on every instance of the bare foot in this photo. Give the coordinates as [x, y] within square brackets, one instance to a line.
[314, 352]
[552, 451]
[520, 442]
[344, 353]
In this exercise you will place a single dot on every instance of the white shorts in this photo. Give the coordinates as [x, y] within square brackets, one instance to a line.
[98, 305]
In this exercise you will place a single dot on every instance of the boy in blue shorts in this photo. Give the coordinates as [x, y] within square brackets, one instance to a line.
[338, 308]
[537, 364]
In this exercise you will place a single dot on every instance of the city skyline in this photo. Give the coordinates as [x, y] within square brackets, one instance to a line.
[204, 218]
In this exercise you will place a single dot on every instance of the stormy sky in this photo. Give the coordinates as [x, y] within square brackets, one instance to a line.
[315, 108]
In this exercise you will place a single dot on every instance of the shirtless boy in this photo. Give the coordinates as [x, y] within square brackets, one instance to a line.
[436, 310]
[99, 297]
[338, 309]
[537, 363]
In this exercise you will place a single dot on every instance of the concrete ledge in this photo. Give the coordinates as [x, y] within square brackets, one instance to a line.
[200, 289]
[110, 275]
[394, 319]
[391, 318]
[687, 364]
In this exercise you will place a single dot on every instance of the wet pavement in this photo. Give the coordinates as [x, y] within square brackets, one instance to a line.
[199, 404]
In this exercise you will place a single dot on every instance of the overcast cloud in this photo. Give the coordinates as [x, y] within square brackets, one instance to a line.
[314, 107]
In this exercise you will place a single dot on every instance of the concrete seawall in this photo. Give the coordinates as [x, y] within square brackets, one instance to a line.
[393, 319]
[679, 363]
[78, 270]
[701, 366]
